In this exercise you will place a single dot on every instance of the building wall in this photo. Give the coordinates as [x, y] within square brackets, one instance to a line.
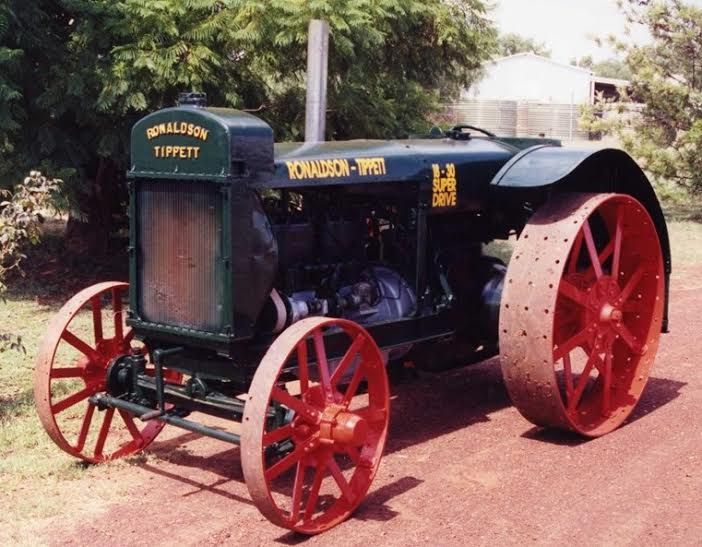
[518, 118]
[529, 77]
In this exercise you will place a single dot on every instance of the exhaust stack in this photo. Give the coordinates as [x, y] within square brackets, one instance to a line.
[317, 61]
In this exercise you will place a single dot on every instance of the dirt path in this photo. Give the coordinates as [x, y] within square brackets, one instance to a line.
[462, 467]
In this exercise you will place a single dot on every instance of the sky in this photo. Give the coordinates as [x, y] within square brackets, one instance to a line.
[564, 25]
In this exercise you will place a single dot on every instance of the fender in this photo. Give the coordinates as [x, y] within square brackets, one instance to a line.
[540, 170]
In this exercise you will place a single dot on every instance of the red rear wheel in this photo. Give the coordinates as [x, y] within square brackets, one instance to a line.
[581, 312]
[82, 339]
[311, 444]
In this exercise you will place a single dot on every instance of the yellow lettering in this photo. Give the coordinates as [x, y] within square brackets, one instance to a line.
[205, 133]
[318, 169]
[190, 130]
[197, 131]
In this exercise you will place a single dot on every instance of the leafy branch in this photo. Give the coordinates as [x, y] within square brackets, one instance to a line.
[21, 215]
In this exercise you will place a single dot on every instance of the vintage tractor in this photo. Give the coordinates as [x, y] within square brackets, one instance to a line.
[272, 285]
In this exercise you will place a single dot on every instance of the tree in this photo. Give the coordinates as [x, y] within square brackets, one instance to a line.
[612, 68]
[584, 62]
[91, 68]
[666, 136]
[512, 43]
[20, 217]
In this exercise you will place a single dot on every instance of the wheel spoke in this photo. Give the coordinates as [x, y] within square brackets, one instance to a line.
[285, 463]
[371, 415]
[81, 346]
[314, 489]
[322, 363]
[617, 245]
[591, 249]
[85, 427]
[303, 371]
[353, 385]
[69, 372]
[606, 252]
[277, 435]
[304, 410]
[631, 285]
[104, 430]
[627, 337]
[126, 448]
[297, 491]
[353, 453]
[74, 399]
[568, 372]
[572, 292]
[562, 349]
[131, 426]
[340, 480]
[582, 382]
[575, 253]
[97, 318]
[347, 359]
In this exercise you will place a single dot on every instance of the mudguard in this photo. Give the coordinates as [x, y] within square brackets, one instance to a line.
[544, 169]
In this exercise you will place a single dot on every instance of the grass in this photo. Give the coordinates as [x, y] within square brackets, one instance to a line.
[33, 471]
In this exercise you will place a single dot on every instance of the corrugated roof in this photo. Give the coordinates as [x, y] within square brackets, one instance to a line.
[543, 59]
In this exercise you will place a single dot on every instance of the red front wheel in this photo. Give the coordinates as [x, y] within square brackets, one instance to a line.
[82, 340]
[311, 442]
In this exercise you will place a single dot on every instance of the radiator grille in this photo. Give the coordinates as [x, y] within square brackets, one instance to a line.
[179, 245]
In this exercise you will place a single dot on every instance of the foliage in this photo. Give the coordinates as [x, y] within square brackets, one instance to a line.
[20, 218]
[609, 68]
[665, 135]
[512, 43]
[612, 68]
[585, 61]
[87, 69]
[10, 95]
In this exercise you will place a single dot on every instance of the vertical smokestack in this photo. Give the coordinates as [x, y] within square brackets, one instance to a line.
[317, 60]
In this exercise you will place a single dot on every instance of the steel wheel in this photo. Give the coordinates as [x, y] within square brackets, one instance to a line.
[581, 312]
[310, 446]
[71, 366]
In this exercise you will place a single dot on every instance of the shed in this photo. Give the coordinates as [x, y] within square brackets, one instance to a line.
[531, 77]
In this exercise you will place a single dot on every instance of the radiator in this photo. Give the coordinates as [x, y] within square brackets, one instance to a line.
[180, 248]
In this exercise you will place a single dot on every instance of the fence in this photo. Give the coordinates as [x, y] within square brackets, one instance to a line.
[518, 119]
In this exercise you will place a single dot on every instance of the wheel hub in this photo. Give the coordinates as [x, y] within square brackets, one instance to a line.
[602, 303]
[340, 426]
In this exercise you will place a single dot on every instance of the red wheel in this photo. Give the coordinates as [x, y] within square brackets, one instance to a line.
[581, 312]
[72, 365]
[310, 447]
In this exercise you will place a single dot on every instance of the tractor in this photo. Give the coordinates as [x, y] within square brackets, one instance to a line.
[272, 286]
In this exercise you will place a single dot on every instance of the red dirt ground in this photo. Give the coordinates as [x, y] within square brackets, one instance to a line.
[462, 467]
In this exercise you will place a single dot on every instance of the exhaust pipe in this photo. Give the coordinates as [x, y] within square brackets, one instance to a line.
[317, 62]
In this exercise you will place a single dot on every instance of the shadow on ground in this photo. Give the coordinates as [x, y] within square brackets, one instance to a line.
[658, 393]
[429, 407]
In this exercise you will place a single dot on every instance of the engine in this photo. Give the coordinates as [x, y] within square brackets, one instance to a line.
[335, 260]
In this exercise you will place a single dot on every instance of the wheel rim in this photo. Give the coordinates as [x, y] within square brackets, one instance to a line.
[332, 446]
[581, 312]
[70, 369]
